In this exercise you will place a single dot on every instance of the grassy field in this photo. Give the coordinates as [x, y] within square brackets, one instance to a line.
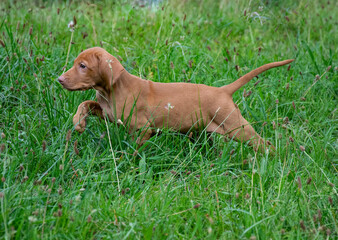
[95, 185]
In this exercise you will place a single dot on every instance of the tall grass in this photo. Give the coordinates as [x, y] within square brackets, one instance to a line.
[175, 187]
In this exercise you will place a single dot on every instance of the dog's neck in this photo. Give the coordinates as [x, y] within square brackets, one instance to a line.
[108, 95]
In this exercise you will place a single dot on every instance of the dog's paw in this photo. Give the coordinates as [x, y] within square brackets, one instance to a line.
[79, 123]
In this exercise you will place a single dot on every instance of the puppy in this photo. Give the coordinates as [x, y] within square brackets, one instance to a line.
[151, 105]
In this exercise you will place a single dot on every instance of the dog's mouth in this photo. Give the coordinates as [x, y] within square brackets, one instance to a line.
[73, 88]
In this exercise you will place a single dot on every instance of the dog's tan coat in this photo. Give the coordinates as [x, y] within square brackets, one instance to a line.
[179, 106]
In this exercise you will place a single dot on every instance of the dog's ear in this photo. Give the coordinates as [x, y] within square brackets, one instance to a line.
[104, 72]
[109, 68]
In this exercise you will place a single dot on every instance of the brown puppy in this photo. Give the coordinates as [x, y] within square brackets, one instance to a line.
[179, 106]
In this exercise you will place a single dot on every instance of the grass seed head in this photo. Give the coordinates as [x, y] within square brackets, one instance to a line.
[44, 144]
[3, 136]
[319, 214]
[328, 232]
[328, 68]
[102, 135]
[302, 148]
[3, 179]
[197, 205]
[69, 134]
[330, 200]
[36, 212]
[331, 184]
[286, 120]
[302, 225]
[248, 94]
[256, 83]
[273, 125]
[76, 150]
[309, 180]
[53, 180]
[2, 43]
[74, 20]
[37, 182]
[190, 64]
[299, 183]
[84, 35]
[25, 178]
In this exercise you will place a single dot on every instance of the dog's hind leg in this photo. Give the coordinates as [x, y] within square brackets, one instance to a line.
[237, 127]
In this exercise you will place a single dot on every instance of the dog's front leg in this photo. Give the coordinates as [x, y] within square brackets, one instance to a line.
[86, 108]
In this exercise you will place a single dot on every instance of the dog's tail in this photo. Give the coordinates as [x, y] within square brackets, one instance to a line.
[233, 87]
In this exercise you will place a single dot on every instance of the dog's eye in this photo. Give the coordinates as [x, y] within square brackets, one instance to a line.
[82, 65]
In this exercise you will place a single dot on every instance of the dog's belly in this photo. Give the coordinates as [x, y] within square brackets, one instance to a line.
[177, 119]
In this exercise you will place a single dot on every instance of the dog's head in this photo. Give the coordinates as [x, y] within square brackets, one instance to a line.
[93, 68]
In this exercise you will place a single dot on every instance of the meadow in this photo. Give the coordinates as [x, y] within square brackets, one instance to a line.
[59, 184]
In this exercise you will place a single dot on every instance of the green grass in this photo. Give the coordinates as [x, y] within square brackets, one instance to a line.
[176, 187]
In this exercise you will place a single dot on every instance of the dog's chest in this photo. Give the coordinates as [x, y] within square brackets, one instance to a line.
[107, 108]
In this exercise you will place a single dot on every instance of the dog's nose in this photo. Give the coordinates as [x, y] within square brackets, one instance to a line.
[61, 79]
